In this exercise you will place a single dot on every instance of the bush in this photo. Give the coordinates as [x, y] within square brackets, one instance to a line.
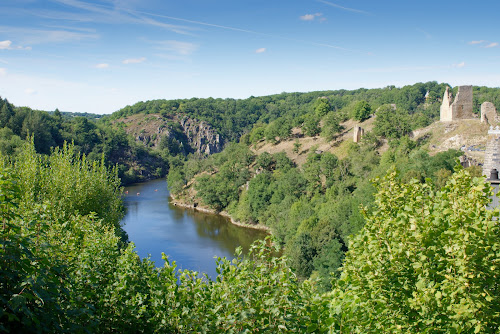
[425, 260]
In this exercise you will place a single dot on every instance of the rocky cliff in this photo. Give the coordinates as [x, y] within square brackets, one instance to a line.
[178, 133]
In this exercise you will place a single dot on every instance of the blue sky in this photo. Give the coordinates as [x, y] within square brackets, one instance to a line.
[101, 55]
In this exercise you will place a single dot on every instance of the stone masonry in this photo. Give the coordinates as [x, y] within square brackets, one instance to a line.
[461, 108]
[358, 133]
[489, 113]
[492, 154]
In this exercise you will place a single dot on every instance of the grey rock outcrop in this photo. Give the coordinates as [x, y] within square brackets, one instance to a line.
[184, 135]
[202, 138]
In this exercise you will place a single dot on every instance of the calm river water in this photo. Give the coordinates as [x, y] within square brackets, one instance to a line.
[190, 238]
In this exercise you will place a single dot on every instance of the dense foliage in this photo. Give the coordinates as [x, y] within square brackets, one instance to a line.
[426, 261]
[96, 139]
[64, 268]
[312, 210]
[422, 255]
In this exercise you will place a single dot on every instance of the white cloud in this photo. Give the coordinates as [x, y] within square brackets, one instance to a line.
[134, 60]
[307, 17]
[312, 17]
[30, 91]
[3, 71]
[102, 65]
[485, 44]
[5, 44]
[459, 65]
[261, 50]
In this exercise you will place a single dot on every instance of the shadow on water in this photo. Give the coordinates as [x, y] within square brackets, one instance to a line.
[189, 237]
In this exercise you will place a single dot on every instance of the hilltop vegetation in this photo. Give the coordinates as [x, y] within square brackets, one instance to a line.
[96, 139]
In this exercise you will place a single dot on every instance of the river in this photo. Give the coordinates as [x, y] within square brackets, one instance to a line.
[190, 238]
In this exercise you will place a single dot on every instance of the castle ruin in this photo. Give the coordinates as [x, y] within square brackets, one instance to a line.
[460, 108]
[358, 133]
[492, 154]
[489, 113]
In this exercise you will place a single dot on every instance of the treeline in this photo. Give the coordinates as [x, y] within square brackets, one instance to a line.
[426, 260]
[274, 116]
[234, 117]
[96, 139]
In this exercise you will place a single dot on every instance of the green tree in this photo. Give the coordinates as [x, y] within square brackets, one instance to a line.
[311, 125]
[361, 111]
[390, 123]
[425, 260]
[322, 107]
[331, 126]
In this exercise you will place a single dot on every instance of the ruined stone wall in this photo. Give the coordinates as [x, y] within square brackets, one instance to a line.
[492, 154]
[358, 133]
[445, 110]
[461, 108]
[489, 113]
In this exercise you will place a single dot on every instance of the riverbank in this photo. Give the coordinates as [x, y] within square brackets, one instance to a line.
[205, 209]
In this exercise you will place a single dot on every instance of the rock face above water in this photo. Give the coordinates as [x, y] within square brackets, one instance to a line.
[201, 136]
[183, 134]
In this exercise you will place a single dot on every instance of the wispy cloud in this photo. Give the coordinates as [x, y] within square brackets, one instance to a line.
[42, 36]
[178, 47]
[344, 8]
[261, 50]
[7, 45]
[459, 65]
[3, 71]
[101, 66]
[248, 31]
[134, 60]
[312, 17]
[484, 44]
[109, 14]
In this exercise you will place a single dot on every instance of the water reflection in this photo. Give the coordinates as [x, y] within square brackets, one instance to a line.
[189, 237]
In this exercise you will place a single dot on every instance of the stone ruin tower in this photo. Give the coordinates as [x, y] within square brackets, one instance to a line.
[492, 154]
[489, 113]
[358, 133]
[460, 108]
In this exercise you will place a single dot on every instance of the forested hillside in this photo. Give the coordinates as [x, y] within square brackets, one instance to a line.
[65, 269]
[96, 139]
[376, 236]
[313, 208]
